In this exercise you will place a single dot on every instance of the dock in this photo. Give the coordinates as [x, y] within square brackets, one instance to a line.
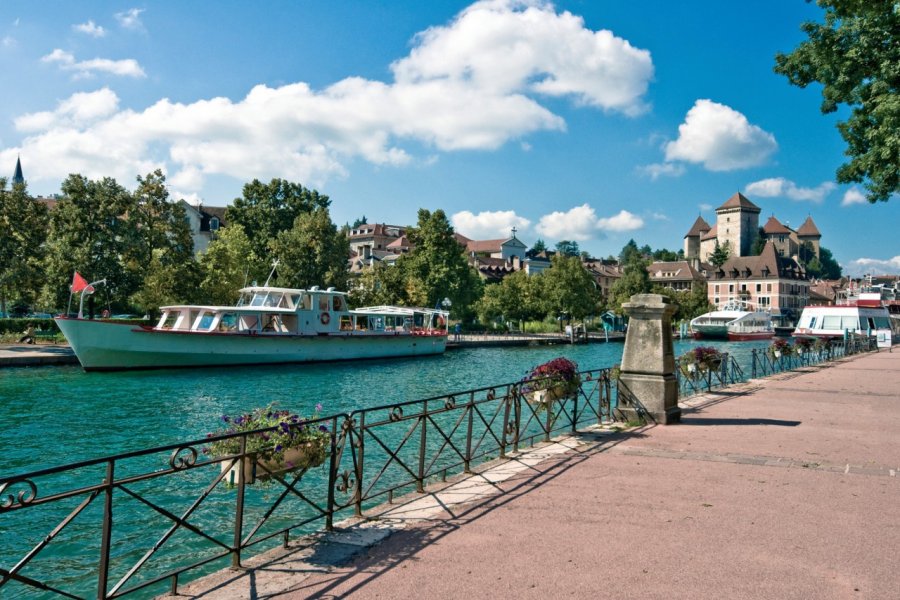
[36, 355]
[784, 487]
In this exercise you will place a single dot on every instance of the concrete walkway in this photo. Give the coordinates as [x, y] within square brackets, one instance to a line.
[35, 355]
[780, 488]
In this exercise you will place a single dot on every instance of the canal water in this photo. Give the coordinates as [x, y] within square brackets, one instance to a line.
[88, 415]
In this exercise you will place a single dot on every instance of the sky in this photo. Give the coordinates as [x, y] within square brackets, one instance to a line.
[597, 122]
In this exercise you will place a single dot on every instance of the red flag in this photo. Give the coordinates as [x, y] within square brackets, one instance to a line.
[78, 283]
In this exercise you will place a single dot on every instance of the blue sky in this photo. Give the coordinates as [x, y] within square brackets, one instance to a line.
[593, 121]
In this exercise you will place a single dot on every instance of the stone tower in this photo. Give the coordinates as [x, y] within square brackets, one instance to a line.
[737, 223]
[808, 232]
[692, 238]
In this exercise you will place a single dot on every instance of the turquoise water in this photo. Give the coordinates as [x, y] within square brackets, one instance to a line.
[88, 415]
[51, 416]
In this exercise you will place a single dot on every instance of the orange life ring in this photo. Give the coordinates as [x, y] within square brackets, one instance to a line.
[325, 318]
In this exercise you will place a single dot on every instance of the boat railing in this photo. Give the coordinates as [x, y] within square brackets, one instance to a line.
[143, 521]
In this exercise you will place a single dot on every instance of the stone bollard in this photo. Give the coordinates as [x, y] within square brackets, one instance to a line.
[648, 389]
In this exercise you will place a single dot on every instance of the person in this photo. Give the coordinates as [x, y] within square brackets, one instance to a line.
[456, 330]
[28, 338]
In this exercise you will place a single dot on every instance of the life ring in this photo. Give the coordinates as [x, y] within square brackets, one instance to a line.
[325, 318]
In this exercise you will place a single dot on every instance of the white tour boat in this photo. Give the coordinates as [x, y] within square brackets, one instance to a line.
[859, 314]
[733, 322]
[268, 325]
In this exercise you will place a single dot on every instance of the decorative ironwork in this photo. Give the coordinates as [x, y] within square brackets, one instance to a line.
[178, 462]
[396, 414]
[18, 499]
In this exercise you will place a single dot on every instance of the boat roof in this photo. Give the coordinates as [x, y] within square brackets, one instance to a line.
[396, 310]
[253, 289]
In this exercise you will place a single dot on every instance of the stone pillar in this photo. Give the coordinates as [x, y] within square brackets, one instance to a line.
[648, 389]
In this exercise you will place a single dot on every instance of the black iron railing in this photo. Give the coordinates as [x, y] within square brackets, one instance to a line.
[144, 519]
[769, 362]
[705, 378]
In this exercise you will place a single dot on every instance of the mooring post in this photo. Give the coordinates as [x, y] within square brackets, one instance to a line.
[648, 389]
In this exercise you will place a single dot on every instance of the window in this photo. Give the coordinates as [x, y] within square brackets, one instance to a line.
[758, 288]
[338, 303]
[730, 288]
[214, 224]
[323, 303]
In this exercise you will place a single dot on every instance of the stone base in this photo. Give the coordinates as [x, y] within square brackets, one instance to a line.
[649, 398]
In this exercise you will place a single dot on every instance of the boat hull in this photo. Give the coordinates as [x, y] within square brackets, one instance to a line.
[106, 346]
[710, 332]
[748, 336]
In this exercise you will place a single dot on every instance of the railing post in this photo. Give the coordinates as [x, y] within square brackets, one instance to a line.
[106, 533]
[753, 363]
[575, 408]
[239, 507]
[507, 401]
[467, 467]
[332, 476]
[361, 447]
[423, 423]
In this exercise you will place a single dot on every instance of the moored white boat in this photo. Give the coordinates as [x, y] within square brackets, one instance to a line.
[733, 322]
[840, 320]
[268, 325]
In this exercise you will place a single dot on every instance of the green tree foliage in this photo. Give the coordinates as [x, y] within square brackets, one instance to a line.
[568, 248]
[822, 267]
[226, 266]
[265, 210]
[88, 233]
[380, 285]
[629, 253]
[518, 297]
[634, 280]
[688, 303]
[664, 255]
[23, 227]
[438, 268]
[538, 247]
[360, 221]
[165, 282]
[855, 56]
[759, 243]
[569, 289]
[312, 252]
[720, 254]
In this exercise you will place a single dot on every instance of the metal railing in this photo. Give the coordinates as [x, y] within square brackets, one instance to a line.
[702, 380]
[767, 362]
[143, 519]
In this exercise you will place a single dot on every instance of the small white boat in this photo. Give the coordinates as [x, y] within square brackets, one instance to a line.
[268, 325]
[733, 322]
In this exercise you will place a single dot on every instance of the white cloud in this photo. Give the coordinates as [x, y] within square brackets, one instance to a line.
[90, 28]
[624, 221]
[720, 138]
[577, 224]
[476, 83]
[126, 67]
[854, 196]
[873, 266]
[131, 18]
[79, 109]
[8, 41]
[656, 170]
[657, 216]
[779, 186]
[487, 224]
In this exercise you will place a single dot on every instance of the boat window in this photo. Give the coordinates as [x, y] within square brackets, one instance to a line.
[168, 320]
[882, 322]
[295, 300]
[323, 303]
[258, 300]
[850, 323]
[362, 323]
[376, 323]
[204, 321]
[346, 324]
[307, 302]
[249, 322]
[228, 322]
[812, 323]
[338, 303]
[831, 322]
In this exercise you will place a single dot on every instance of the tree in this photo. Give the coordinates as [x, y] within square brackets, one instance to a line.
[538, 247]
[664, 255]
[759, 243]
[634, 280]
[360, 221]
[313, 252]
[88, 233]
[438, 268]
[720, 254]
[518, 297]
[819, 267]
[629, 253]
[569, 289]
[568, 248]
[855, 55]
[24, 225]
[225, 267]
[380, 285]
[265, 210]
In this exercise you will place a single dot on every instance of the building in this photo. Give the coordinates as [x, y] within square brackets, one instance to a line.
[366, 240]
[679, 275]
[204, 222]
[17, 177]
[765, 282]
[605, 274]
[693, 237]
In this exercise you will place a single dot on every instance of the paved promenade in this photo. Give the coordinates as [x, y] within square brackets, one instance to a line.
[780, 488]
[34, 355]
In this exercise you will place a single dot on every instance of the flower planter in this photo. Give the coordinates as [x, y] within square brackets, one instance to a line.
[304, 457]
[547, 396]
[777, 353]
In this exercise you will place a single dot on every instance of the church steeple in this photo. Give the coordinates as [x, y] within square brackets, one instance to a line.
[17, 176]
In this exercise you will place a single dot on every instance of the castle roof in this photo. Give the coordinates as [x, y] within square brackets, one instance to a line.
[767, 264]
[698, 228]
[808, 229]
[774, 226]
[711, 234]
[739, 201]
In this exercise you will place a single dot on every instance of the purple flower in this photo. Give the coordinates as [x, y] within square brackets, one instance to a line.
[319, 407]
[226, 418]
[323, 428]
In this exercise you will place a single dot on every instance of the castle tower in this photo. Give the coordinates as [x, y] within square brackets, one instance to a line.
[737, 223]
[692, 238]
[808, 232]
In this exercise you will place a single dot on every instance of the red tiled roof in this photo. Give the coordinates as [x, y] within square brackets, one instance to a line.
[767, 264]
[711, 234]
[774, 226]
[739, 201]
[808, 229]
[699, 228]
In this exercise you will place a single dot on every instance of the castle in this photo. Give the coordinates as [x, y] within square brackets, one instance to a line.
[737, 224]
